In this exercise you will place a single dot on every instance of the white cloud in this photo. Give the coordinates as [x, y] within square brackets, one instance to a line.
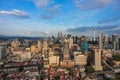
[46, 32]
[41, 3]
[91, 4]
[55, 9]
[15, 13]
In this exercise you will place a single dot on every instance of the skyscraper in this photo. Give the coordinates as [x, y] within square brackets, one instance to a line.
[45, 44]
[66, 62]
[70, 42]
[119, 42]
[3, 52]
[59, 35]
[114, 41]
[39, 45]
[66, 50]
[84, 45]
[106, 40]
[45, 48]
[15, 43]
[75, 38]
[94, 30]
[97, 65]
[100, 40]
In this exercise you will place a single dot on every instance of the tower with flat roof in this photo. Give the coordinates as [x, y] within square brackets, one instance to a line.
[100, 40]
[97, 58]
[66, 50]
[114, 41]
[106, 41]
[59, 35]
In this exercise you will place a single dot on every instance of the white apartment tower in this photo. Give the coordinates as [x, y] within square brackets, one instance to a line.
[100, 40]
[98, 65]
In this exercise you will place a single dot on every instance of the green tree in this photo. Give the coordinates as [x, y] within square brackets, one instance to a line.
[110, 79]
[70, 69]
[89, 69]
[40, 67]
[116, 57]
[80, 75]
[57, 77]
[110, 61]
[21, 68]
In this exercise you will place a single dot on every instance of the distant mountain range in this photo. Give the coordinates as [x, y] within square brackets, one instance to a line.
[2, 37]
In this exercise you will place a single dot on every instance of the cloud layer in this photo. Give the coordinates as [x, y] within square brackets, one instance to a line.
[109, 20]
[89, 29]
[51, 12]
[41, 3]
[91, 4]
[16, 13]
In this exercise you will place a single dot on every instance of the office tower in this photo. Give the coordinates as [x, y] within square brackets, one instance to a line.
[98, 66]
[59, 35]
[114, 41]
[45, 48]
[106, 40]
[100, 40]
[45, 44]
[84, 45]
[70, 40]
[94, 31]
[75, 38]
[3, 52]
[66, 62]
[15, 43]
[119, 42]
[68, 35]
[33, 48]
[66, 54]
[39, 44]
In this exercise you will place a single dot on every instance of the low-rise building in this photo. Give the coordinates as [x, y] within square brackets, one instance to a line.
[80, 59]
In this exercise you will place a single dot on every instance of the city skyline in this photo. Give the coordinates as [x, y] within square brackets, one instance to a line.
[48, 17]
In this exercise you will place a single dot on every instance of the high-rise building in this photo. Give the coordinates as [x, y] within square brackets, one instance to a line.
[84, 45]
[45, 48]
[45, 44]
[66, 62]
[3, 52]
[119, 42]
[100, 40]
[15, 43]
[39, 45]
[97, 65]
[33, 48]
[94, 30]
[66, 50]
[59, 35]
[106, 41]
[75, 38]
[70, 40]
[114, 41]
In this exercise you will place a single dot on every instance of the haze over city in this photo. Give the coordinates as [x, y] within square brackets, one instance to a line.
[40, 17]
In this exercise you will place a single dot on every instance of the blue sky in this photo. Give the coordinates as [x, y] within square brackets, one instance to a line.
[47, 17]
